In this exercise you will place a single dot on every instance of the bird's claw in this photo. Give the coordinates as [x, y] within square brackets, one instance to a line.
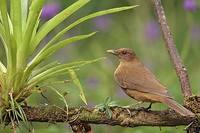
[149, 107]
[145, 109]
[128, 107]
[129, 112]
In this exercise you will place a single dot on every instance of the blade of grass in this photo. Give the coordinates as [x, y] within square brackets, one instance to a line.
[16, 18]
[10, 54]
[38, 79]
[2, 36]
[78, 84]
[54, 82]
[13, 46]
[52, 67]
[22, 115]
[83, 19]
[1, 20]
[62, 98]
[47, 52]
[6, 40]
[10, 26]
[13, 110]
[47, 75]
[33, 16]
[52, 23]
[61, 44]
[2, 67]
[44, 68]
[58, 70]
[24, 10]
[4, 11]
[23, 48]
[35, 31]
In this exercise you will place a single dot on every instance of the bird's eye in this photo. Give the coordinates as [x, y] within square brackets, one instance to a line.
[124, 52]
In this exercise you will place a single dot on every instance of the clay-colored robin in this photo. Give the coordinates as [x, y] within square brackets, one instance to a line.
[139, 83]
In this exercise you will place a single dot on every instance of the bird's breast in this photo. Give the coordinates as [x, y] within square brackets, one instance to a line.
[122, 73]
[124, 69]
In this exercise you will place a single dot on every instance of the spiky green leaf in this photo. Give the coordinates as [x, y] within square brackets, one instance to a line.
[2, 68]
[45, 53]
[83, 19]
[78, 84]
[52, 23]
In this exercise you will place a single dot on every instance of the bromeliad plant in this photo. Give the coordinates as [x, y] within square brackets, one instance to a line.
[21, 35]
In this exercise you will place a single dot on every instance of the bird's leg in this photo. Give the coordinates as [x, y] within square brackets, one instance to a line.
[132, 106]
[149, 107]
[146, 109]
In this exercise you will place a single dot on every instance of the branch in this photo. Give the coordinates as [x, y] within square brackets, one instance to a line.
[181, 71]
[171, 47]
[120, 116]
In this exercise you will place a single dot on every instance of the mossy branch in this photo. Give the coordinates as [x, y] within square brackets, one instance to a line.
[120, 116]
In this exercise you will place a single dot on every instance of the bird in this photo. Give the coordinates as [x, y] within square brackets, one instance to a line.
[138, 82]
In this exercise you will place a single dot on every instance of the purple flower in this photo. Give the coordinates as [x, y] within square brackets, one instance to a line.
[92, 82]
[102, 22]
[50, 10]
[190, 5]
[195, 32]
[152, 30]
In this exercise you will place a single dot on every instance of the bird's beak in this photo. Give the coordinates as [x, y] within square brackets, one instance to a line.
[114, 52]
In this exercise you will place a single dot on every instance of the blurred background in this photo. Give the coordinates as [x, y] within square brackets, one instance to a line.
[137, 29]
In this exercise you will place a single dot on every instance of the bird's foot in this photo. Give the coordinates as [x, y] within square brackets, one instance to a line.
[128, 107]
[145, 109]
[129, 112]
[132, 106]
[149, 107]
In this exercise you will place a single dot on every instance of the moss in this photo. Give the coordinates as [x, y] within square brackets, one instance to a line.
[193, 103]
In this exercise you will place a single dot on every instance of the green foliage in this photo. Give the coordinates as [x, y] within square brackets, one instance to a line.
[83, 19]
[78, 84]
[105, 106]
[51, 24]
[21, 34]
[62, 98]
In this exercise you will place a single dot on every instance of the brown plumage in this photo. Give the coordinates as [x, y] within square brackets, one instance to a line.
[140, 83]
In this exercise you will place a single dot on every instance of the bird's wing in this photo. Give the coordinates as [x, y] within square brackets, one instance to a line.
[138, 77]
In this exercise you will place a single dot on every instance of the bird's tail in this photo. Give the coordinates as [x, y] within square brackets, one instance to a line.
[177, 107]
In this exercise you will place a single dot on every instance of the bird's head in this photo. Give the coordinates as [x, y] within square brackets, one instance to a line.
[124, 54]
